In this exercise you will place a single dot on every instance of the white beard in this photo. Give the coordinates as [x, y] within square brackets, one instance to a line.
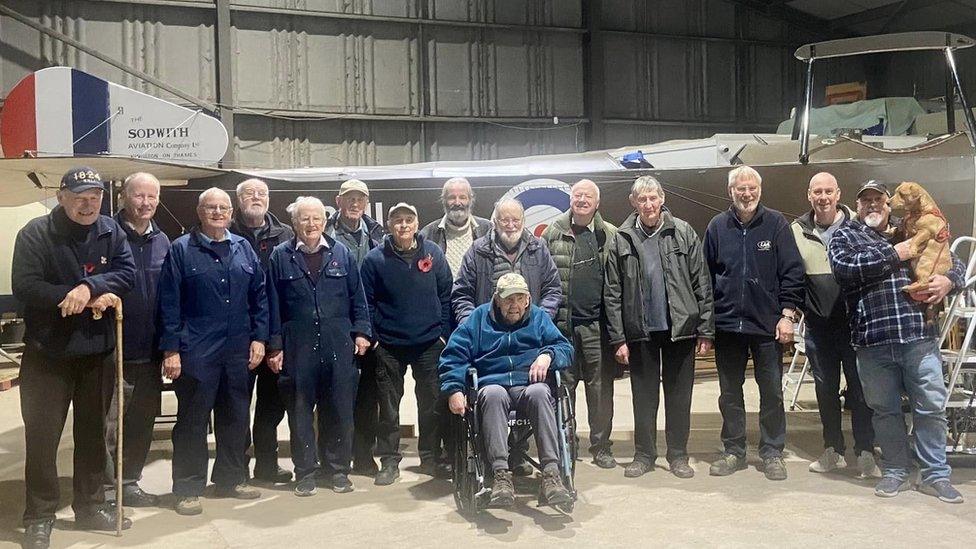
[509, 241]
[873, 220]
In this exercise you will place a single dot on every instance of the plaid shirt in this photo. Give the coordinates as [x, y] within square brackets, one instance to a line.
[872, 277]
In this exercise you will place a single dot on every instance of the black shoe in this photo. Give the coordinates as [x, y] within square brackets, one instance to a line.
[637, 468]
[278, 475]
[604, 459]
[428, 467]
[444, 470]
[502, 490]
[389, 473]
[774, 468]
[341, 483]
[365, 468]
[38, 535]
[102, 520]
[133, 496]
[726, 465]
[523, 469]
[681, 469]
[306, 487]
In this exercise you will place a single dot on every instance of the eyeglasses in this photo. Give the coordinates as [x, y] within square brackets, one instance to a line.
[219, 208]
[253, 193]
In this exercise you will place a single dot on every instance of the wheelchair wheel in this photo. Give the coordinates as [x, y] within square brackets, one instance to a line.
[467, 481]
[567, 469]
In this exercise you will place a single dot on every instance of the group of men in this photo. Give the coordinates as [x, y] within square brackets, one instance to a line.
[325, 315]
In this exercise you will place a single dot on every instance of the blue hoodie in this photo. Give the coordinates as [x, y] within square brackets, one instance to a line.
[501, 353]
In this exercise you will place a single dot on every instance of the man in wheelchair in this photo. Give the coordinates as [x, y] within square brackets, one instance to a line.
[512, 346]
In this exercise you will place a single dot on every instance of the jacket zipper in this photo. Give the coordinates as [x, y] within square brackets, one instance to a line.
[742, 295]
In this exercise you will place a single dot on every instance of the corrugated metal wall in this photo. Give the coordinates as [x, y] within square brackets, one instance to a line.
[336, 82]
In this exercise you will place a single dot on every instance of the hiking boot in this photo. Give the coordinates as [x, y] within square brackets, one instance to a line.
[38, 535]
[867, 466]
[553, 491]
[681, 469]
[941, 489]
[188, 506]
[774, 468]
[637, 468]
[604, 459]
[828, 461]
[389, 473]
[502, 489]
[306, 487]
[341, 483]
[889, 487]
[102, 520]
[273, 475]
[238, 491]
[726, 465]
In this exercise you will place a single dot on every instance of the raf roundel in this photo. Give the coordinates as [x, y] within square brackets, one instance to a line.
[543, 200]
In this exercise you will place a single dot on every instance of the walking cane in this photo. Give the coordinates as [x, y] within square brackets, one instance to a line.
[117, 305]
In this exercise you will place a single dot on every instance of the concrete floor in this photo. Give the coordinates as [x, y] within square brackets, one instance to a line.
[807, 510]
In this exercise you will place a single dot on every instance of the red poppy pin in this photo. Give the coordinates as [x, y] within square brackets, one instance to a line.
[425, 264]
[89, 268]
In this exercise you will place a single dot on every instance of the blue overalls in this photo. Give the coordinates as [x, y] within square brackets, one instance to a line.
[314, 318]
[212, 305]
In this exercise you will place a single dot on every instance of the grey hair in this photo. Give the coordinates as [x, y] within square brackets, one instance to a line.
[590, 181]
[293, 208]
[646, 184]
[210, 192]
[505, 202]
[457, 181]
[240, 186]
[139, 176]
[744, 173]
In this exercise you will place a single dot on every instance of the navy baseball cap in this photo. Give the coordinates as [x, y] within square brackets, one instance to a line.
[82, 179]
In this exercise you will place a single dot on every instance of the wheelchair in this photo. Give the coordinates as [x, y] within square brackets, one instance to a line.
[471, 470]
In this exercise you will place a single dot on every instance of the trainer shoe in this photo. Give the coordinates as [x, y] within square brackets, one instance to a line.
[239, 491]
[681, 469]
[306, 487]
[188, 506]
[941, 489]
[889, 487]
[341, 483]
[604, 459]
[388, 473]
[828, 461]
[637, 468]
[774, 468]
[867, 466]
[726, 465]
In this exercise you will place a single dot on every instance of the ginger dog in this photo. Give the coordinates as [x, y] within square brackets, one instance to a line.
[926, 227]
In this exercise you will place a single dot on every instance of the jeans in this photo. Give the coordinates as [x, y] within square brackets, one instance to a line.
[913, 369]
[593, 366]
[533, 401]
[830, 352]
[652, 362]
[732, 351]
[142, 393]
[391, 367]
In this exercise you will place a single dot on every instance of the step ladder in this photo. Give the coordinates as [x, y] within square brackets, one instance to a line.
[796, 375]
[959, 365]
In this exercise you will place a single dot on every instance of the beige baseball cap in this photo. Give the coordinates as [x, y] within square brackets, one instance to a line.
[401, 206]
[353, 185]
[511, 284]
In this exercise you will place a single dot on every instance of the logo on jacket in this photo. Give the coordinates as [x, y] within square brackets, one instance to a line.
[764, 245]
[543, 200]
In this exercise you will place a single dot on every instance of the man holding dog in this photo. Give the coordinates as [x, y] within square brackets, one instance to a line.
[897, 350]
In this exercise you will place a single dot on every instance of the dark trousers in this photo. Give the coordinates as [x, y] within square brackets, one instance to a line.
[533, 401]
[391, 367]
[326, 391]
[651, 362]
[830, 352]
[47, 387]
[593, 366]
[732, 351]
[367, 411]
[142, 393]
[269, 410]
[225, 393]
